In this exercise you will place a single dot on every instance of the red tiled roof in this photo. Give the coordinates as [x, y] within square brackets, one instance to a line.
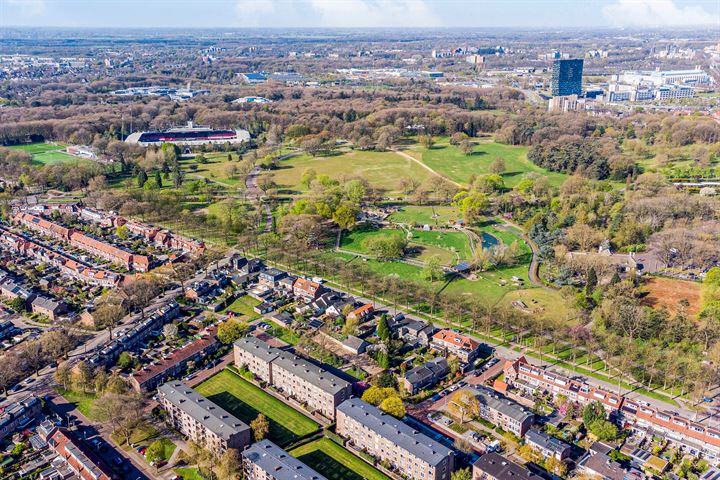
[306, 285]
[456, 339]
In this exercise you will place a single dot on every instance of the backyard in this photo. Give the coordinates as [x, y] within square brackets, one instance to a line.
[334, 462]
[245, 400]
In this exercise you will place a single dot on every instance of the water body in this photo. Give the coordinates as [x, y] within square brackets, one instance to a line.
[489, 241]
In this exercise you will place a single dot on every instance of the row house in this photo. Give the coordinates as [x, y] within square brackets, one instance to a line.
[10, 290]
[522, 375]
[294, 376]
[201, 420]
[547, 445]
[362, 313]
[150, 377]
[68, 266]
[426, 375]
[82, 462]
[48, 307]
[84, 242]
[410, 452]
[674, 427]
[464, 347]
[266, 461]
[503, 412]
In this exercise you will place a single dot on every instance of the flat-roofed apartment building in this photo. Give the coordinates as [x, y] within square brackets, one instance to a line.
[503, 412]
[202, 420]
[266, 461]
[294, 376]
[412, 453]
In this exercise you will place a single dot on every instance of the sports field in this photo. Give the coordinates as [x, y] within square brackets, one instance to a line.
[244, 400]
[46, 153]
[334, 462]
[448, 160]
[382, 170]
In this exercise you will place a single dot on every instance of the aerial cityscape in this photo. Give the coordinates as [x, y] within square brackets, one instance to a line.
[360, 240]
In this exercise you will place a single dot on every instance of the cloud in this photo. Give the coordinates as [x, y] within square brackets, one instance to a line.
[655, 13]
[337, 13]
[25, 8]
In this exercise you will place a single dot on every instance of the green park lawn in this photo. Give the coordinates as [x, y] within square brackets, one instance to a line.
[82, 401]
[335, 462]
[456, 242]
[246, 401]
[448, 160]
[382, 170]
[355, 240]
[216, 169]
[435, 215]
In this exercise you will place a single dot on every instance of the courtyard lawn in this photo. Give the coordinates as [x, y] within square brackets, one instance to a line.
[244, 400]
[382, 170]
[434, 216]
[335, 462]
[448, 160]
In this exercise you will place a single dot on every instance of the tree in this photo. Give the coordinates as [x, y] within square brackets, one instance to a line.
[383, 360]
[426, 141]
[383, 331]
[346, 215]
[464, 404]
[116, 384]
[592, 412]
[433, 268]
[229, 465]
[58, 343]
[63, 375]
[309, 174]
[558, 467]
[462, 474]
[466, 147]
[125, 361]
[530, 454]
[170, 331]
[82, 377]
[498, 166]
[260, 427]
[603, 429]
[141, 178]
[158, 179]
[122, 412]
[376, 395]
[33, 355]
[231, 330]
[385, 246]
[108, 314]
[472, 206]
[463, 445]
[393, 406]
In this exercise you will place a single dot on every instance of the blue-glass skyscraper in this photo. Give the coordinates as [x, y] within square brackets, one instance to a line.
[567, 77]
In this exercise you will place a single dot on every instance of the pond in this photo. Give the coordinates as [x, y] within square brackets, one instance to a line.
[489, 241]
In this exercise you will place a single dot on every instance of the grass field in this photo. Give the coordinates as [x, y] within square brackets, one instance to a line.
[383, 170]
[244, 400]
[243, 306]
[448, 160]
[46, 153]
[355, 240]
[334, 462]
[439, 215]
[215, 170]
[546, 303]
[455, 242]
[168, 448]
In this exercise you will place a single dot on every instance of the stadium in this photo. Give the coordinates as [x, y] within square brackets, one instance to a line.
[189, 135]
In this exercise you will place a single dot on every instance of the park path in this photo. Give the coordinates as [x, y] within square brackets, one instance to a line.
[534, 268]
[434, 172]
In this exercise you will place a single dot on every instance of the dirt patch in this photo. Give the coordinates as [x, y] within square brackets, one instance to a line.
[668, 292]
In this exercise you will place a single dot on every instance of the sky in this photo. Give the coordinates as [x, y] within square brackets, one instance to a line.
[359, 13]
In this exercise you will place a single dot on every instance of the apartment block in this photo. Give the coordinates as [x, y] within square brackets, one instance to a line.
[202, 420]
[18, 415]
[294, 376]
[503, 412]
[266, 461]
[412, 453]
